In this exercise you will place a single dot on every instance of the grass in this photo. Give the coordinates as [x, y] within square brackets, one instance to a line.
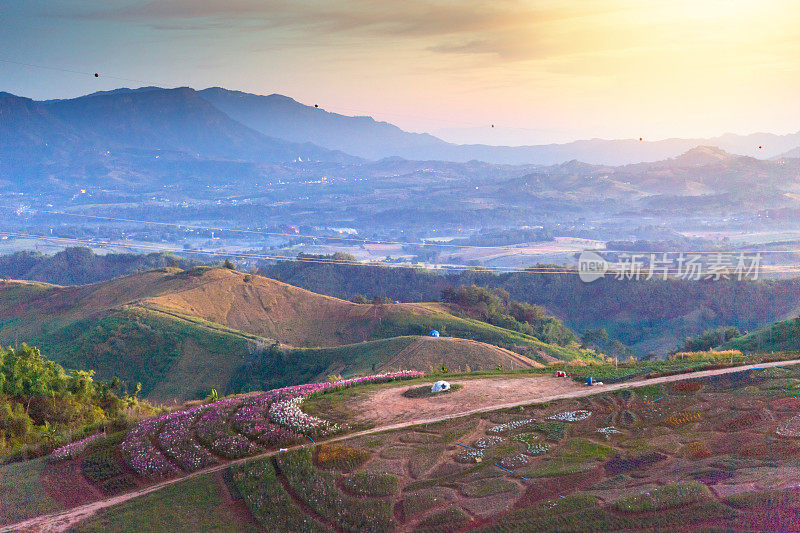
[194, 505]
[590, 517]
[664, 497]
[22, 494]
[420, 463]
[487, 487]
[583, 450]
[446, 520]
[764, 500]
[170, 357]
[376, 484]
[417, 502]
[553, 468]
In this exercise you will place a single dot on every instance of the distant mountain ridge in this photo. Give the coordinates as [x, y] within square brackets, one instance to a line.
[284, 117]
[155, 119]
[235, 125]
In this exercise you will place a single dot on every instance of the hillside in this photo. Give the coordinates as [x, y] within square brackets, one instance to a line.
[80, 265]
[181, 333]
[671, 452]
[651, 317]
[300, 365]
[783, 336]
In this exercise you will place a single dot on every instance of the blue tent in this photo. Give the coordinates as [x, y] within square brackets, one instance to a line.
[434, 333]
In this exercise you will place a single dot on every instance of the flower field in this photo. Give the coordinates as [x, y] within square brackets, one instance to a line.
[232, 428]
[73, 450]
[318, 489]
[558, 466]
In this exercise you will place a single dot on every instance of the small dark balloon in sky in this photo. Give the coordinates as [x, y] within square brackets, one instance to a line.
[493, 125]
[315, 105]
[96, 75]
[640, 138]
[759, 148]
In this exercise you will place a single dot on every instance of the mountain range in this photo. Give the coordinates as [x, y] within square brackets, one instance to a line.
[217, 123]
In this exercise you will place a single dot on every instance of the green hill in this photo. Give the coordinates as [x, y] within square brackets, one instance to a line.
[781, 336]
[181, 333]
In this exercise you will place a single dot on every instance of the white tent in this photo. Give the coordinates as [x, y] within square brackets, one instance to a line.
[440, 386]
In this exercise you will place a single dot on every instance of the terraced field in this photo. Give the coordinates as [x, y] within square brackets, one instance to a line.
[717, 453]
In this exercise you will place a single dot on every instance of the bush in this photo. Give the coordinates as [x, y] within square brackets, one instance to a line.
[340, 457]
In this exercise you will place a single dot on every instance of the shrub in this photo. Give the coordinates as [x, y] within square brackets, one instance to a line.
[340, 457]
[99, 465]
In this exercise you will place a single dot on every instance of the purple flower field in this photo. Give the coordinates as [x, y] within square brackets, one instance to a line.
[237, 427]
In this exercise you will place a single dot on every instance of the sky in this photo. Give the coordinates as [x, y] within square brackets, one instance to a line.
[539, 71]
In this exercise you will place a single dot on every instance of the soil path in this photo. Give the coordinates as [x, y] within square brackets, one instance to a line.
[64, 520]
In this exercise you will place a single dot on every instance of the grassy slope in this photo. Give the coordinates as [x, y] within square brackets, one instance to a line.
[182, 333]
[300, 365]
[172, 358]
[298, 317]
[194, 505]
[780, 336]
[22, 495]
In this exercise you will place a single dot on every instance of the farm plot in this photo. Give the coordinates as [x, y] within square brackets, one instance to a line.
[554, 466]
[560, 466]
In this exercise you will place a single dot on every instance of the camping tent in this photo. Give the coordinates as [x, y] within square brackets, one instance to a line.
[440, 386]
[434, 333]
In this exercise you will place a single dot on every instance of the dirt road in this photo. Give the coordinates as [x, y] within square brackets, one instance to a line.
[62, 521]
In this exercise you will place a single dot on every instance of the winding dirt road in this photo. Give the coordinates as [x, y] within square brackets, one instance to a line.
[64, 520]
